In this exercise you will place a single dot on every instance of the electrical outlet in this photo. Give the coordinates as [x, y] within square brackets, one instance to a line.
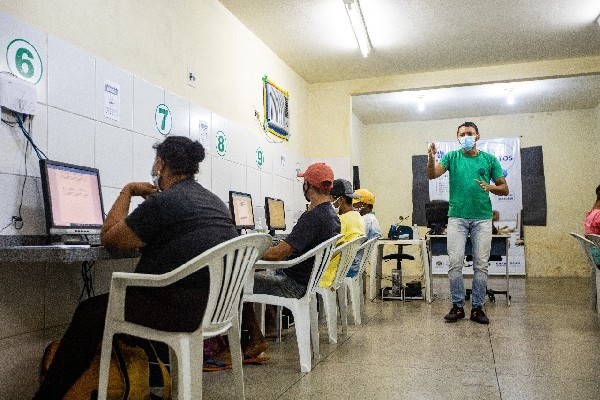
[191, 77]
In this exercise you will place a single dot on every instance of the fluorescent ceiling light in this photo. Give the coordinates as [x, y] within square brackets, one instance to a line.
[421, 104]
[510, 97]
[358, 26]
[598, 20]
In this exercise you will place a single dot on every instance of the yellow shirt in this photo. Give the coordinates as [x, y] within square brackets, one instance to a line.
[353, 226]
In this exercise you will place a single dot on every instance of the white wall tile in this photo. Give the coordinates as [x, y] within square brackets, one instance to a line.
[253, 186]
[15, 35]
[70, 138]
[62, 293]
[236, 148]
[266, 185]
[146, 97]
[71, 78]
[299, 202]
[221, 178]
[204, 177]
[283, 189]
[198, 116]
[108, 72]
[143, 157]
[238, 178]
[32, 208]
[14, 143]
[180, 110]
[114, 155]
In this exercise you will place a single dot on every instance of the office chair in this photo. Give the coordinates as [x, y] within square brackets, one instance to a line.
[490, 293]
[400, 231]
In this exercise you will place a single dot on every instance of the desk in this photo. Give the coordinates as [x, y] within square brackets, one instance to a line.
[377, 256]
[438, 245]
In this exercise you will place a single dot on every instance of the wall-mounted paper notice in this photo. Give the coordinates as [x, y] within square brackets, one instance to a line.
[112, 100]
[204, 134]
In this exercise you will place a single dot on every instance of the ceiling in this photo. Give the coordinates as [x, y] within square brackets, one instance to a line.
[315, 39]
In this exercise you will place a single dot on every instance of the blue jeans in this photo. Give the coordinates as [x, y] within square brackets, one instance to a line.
[481, 239]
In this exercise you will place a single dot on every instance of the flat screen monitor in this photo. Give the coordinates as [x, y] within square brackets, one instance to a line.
[240, 205]
[436, 214]
[72, 198]
[275, 214]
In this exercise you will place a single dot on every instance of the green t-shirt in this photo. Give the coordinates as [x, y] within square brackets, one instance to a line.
[467, 199]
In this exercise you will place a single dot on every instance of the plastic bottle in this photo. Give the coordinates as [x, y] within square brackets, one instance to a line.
[415, 232]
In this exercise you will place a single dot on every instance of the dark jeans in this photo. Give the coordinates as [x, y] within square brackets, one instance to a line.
[155, 308]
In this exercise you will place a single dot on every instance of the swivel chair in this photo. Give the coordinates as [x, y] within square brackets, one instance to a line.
[400, 230]
[488, 292]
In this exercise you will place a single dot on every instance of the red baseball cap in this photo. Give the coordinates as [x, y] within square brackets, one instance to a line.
[319, 175]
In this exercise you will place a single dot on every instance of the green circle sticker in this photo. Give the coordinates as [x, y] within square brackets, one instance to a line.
[163, 119]
[221, 143]
[24, 60]
[260, 157]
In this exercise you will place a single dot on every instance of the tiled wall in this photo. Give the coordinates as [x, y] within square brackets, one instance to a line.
[70, 126]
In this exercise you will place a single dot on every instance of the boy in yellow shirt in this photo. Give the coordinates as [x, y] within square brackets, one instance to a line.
[353, 224]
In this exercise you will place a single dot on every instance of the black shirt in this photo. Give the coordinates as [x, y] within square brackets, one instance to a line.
[313, 228]
[177, 225]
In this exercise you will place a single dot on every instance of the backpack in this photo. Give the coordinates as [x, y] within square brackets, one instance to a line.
[129, 374]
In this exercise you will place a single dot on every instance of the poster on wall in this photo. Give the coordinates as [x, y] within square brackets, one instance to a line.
[507, 151]
[276, 111]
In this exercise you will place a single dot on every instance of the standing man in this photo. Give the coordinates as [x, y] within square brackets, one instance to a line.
[470, 213]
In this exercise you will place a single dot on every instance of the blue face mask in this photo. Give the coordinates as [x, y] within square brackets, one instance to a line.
[467, 142]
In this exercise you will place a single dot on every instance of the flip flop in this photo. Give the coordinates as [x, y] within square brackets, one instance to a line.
[210, 364]
[248, 359]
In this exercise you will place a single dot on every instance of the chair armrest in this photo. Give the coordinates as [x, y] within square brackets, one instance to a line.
[135, 279]
[264, 264]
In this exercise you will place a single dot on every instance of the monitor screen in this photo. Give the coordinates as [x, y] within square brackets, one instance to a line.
[240, 205]
[274, 211]
[72, 198]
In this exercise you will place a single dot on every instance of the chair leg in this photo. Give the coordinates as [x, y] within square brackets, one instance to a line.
[105, 354]
[236, 357]
[302, 320]
[356, 301]
[174, 372]
[278, 323]
[189, 356]
[330, 307]
[314, 328]
[342, 301]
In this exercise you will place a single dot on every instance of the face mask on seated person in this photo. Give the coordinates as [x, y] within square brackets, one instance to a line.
[467, 142]
[155, 179]
[336, 209]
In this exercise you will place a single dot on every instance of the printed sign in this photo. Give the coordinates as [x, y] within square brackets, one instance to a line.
[260, 157]
[204, 134]
[112, 100]
[163, 119]
[221, 143]
[24, 60]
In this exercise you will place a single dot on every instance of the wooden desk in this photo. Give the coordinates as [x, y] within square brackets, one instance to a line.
[376, 259]
[438, 245]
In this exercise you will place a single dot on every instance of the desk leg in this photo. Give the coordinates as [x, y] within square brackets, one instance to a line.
[427, 273]
[375, 272]
[507, 278]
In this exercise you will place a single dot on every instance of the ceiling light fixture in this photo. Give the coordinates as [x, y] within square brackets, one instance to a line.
[421, 104]
[358, 26]
[510, 97]
[598, 20]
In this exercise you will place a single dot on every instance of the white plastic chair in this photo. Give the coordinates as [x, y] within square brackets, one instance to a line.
[229, 265]
[347, 252]
[586, 246]
[355, 284]
[303, 309]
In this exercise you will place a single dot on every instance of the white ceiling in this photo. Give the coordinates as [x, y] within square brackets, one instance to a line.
[315, 39]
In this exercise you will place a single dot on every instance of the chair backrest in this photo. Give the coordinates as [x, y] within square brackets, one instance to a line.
[347, 252]
[586, 246]
[322, 254]
[367, 249]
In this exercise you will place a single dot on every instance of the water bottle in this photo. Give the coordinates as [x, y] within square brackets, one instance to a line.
[415, 232]
[259, 226]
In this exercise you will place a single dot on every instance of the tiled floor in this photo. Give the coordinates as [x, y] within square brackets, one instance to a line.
[546, 345]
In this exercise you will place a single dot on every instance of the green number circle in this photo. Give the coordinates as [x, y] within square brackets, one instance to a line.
[24, 60]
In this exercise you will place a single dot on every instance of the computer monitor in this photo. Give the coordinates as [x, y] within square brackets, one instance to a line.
[240, 205]
[72, 198]
[275, 214]
[436, 214]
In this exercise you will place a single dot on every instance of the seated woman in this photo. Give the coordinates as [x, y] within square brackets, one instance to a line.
[178, 220]
[592, 224]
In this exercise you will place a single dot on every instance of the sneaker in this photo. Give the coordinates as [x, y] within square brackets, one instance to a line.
[455, 314]
[479, 316]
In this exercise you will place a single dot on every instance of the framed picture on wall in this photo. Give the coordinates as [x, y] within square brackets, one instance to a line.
[276, 111]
